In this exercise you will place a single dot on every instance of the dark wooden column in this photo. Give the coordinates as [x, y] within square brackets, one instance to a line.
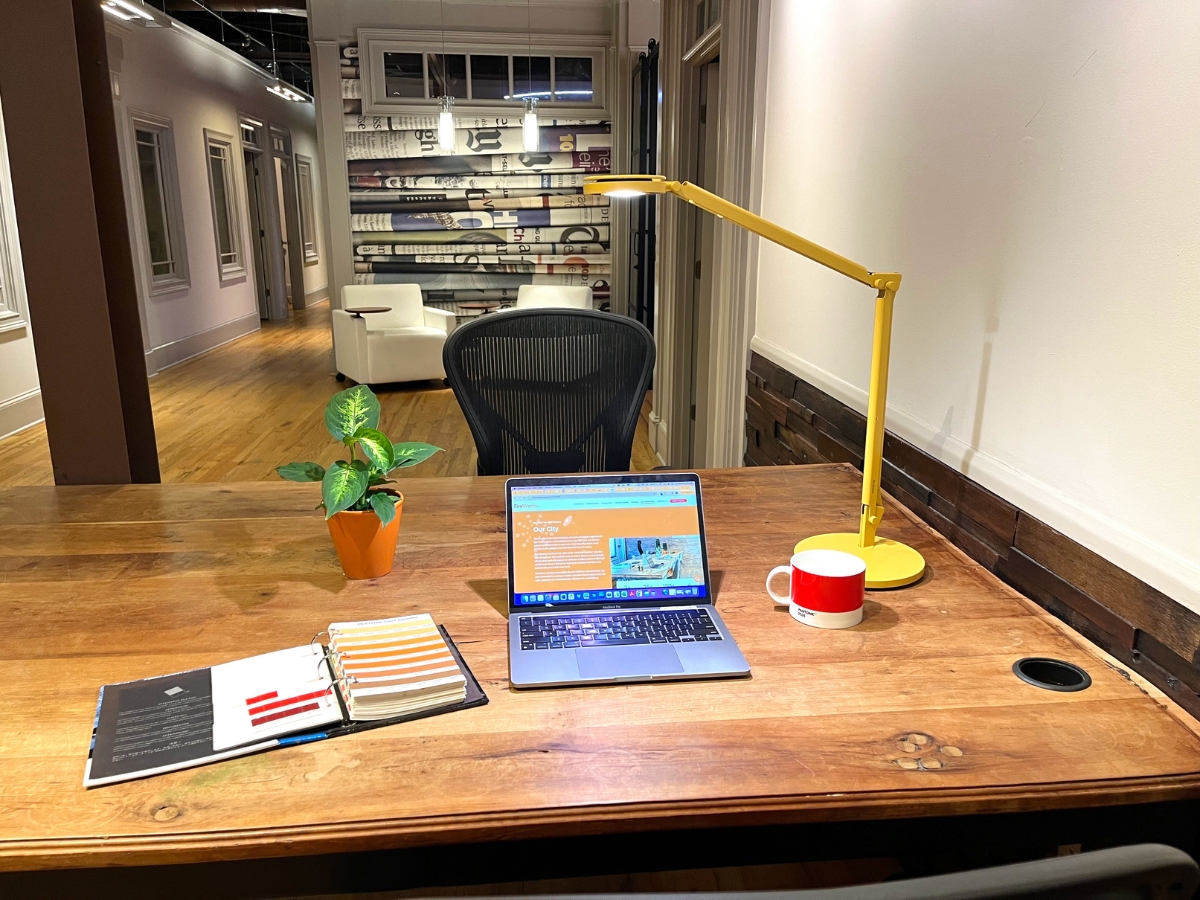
[70, 210]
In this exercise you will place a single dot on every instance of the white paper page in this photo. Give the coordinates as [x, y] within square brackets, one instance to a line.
[271, 695]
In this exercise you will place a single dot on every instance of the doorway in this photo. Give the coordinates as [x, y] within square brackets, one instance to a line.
[289, 215]
[258, 233]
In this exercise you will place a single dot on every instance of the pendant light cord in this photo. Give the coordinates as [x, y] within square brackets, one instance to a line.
[445, 64]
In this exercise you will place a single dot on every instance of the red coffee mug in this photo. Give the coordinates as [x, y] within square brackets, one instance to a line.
[826, 588]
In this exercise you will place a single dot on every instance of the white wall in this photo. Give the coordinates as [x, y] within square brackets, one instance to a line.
[644, 23]
[1033, 170]
[197, 84]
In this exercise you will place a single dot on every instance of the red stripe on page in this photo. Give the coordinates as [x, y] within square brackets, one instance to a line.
[283, 714]
[254, 711]
[250, 701]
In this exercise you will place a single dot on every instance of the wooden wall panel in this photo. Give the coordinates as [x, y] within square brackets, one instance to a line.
[791, 422]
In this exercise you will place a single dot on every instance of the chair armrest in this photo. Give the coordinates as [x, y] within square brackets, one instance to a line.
[350, 345]
[440, 318]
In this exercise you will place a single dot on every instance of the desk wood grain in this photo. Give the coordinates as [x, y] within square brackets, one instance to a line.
[914, 712]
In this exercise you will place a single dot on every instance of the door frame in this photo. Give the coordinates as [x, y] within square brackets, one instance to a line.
[258, 237]
[737, 38]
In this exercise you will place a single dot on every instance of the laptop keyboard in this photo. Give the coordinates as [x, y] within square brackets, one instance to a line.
[676, 626]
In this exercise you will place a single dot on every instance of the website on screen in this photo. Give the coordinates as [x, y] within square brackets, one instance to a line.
[588, 543]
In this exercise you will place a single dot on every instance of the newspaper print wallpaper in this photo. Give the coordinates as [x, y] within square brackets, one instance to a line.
[475, 223]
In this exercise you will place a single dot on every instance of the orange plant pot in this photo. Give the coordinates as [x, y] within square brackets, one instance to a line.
[365, 547]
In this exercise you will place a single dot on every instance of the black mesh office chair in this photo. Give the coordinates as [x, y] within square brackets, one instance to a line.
[550, 390]
[1141, 872]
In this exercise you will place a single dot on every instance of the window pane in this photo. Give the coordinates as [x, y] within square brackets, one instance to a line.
[150, 170]
[402, 75]
[531, 77]
[447, 75]
[220, 186]
[572, 78]
[714, 12]
[307, 224]
[489, 77]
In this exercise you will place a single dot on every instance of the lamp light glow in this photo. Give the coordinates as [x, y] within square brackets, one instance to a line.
[529, 128]
[129, 8]
[446, 124]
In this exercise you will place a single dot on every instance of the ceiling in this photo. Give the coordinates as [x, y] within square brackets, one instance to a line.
[271, 33]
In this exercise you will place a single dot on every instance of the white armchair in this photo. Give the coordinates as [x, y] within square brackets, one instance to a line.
[539, 296]
[404, 344]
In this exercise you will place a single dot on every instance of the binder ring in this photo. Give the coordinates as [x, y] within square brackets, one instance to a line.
[315, 636]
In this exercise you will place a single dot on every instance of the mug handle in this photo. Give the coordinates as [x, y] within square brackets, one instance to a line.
[779, 601]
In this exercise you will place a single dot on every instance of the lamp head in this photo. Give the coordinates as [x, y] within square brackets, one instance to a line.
[625, 185]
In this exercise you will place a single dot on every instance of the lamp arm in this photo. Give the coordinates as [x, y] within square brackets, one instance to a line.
[719, 206]
[886, 283]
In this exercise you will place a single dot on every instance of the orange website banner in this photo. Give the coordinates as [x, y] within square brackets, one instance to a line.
[561, 550]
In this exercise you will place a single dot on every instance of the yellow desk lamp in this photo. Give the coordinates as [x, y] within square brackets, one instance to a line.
[889, 563]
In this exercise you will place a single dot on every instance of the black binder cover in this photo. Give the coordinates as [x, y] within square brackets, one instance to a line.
[163, 724]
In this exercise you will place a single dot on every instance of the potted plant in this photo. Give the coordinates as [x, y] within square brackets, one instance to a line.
[362, 512]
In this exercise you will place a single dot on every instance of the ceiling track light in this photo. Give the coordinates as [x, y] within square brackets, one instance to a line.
[117, 7]
[116, 13]
[280, 90]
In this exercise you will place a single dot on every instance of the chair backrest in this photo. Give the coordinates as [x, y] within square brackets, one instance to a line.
[405, 300]
[550, 390]
[1140, 872]
[546, 296]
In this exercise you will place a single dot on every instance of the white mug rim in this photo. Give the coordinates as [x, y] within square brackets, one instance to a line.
[828, 563]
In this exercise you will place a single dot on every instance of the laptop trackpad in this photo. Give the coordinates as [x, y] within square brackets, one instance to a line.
[640, 659]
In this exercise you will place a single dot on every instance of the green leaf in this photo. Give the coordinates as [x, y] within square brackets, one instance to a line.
[343, 486]
[376, 447]
[409, 454]
[384, 506]
[351, 410]
[301, 471]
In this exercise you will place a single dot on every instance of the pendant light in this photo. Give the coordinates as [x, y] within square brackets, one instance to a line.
[446, 122]
[529, 130]
[446, 118]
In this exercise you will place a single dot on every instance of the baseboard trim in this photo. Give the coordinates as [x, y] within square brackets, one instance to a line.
[20, 412]
[175, 352]
[1136, 554]
[316, 296]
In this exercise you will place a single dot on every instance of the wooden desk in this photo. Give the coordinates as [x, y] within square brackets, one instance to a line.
[110, 583]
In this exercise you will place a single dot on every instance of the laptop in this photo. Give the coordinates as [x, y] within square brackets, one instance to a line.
[608, 582]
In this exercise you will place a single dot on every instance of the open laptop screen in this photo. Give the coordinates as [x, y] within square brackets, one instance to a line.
[596, 541]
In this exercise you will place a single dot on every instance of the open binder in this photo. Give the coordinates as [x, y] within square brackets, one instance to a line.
[374, 673]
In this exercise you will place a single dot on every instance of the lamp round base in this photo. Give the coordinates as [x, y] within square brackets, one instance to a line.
[889, 563]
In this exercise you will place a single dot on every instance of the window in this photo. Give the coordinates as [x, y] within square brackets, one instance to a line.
[489, 77]
[166, 257]
[572, 78]
[447, 75]
[308, 218]
[531, 77]
[223, 192]
[493, 71]
[404, 74]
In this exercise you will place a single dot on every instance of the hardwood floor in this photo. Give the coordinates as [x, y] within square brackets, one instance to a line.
[237, 412]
